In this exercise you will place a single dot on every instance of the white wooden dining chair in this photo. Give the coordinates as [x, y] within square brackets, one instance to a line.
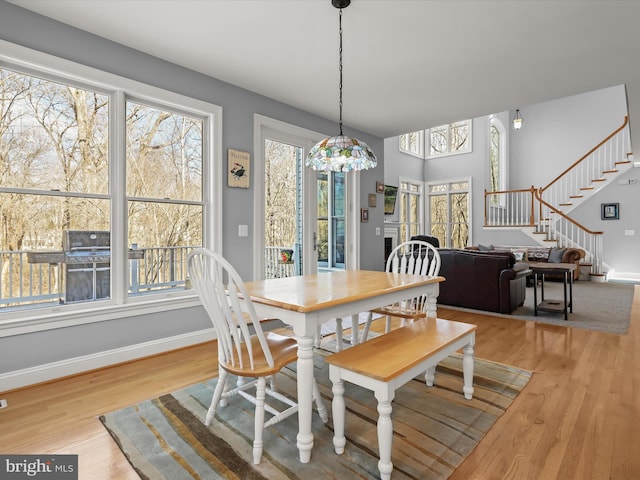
[257, 355]
[416, 257]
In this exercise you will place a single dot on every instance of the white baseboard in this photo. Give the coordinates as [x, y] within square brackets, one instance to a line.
[72, 366]
[624, 277]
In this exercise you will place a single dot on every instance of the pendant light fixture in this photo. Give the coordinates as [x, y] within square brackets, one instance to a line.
[517, 120]
[341, 153]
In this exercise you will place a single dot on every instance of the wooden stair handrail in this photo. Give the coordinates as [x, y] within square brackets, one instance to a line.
[615, 132]
[569, 219]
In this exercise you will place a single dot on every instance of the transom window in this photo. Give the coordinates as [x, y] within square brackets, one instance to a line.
[450, 139]
[412, 143]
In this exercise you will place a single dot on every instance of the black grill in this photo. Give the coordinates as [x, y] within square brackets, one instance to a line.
[86, 269]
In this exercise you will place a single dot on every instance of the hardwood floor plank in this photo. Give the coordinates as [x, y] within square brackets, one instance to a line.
[578, 418]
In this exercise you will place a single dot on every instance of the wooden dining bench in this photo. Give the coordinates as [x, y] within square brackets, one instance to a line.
[387, 362]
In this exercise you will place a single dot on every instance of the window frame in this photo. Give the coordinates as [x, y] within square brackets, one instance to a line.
[404, 224]
[494, 122]
[418, 151]
[448, 193]
[119, 90]
[448, 127]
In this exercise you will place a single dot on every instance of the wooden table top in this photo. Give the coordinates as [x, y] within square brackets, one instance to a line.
[307, 293]
[541, 266]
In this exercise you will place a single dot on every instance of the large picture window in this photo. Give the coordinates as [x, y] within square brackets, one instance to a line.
[104, 187]
[449, 212]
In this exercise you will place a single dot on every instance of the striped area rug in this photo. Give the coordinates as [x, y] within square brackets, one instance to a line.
[435, 428]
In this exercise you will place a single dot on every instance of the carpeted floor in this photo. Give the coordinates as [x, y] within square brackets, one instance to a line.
[434, 430]
[603, 307]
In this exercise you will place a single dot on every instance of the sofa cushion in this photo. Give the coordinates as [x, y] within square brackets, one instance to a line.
[485, 248]
[556, 254]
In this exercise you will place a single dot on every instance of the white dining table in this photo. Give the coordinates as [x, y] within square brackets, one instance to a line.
[306, 301]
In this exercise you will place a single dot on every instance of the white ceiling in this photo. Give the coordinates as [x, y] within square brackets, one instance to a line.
[408, 64]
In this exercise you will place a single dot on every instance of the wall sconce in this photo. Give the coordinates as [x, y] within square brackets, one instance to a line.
[517, 120]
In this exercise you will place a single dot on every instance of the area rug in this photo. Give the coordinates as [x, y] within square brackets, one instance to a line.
[604, 307]
[435, 429]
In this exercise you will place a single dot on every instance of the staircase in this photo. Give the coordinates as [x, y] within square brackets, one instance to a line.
[543, 213]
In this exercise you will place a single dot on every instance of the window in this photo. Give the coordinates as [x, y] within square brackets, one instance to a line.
[450, 139]
[165, 203]
[449, 212]
[412, 143]
[497, 159]
[410, 206]
[126, 163]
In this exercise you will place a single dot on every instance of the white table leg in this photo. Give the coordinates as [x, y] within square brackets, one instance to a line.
[467, 370]
[305, 397]
[385, 432]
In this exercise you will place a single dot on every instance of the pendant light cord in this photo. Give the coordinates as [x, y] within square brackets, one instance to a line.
[340, 68]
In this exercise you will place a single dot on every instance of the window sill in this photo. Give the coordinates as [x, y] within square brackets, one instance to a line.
[58, 317]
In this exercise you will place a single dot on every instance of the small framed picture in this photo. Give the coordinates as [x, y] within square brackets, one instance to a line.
[372, 199]
[238, 164]
[364, 215]
[610, 211]
[379, 187]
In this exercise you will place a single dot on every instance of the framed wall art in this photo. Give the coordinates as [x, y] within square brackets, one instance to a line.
[379, 187]
[364, 215]
[610, 211]
[372, 199]
[238, 168]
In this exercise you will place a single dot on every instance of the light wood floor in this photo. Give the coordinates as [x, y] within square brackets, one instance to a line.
[578, 418]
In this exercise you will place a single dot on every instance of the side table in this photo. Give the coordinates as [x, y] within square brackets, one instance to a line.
[552, 305]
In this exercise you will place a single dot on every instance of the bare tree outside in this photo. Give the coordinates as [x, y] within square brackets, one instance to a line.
[280, 194]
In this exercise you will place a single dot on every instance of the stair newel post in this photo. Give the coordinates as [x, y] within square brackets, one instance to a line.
[532, 212]
[486, 220]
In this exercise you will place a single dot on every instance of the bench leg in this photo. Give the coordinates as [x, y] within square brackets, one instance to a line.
[467, 371]
[338, 412]
[385, 434]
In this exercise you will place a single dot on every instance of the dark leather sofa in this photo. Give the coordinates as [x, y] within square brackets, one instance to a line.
[490, 281]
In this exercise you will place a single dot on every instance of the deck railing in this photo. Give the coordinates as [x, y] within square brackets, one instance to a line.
[27, 285]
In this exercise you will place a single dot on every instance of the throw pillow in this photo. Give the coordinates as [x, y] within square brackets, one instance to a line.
[555, 255]
[484, 248]
[520, 254]
[538, 254]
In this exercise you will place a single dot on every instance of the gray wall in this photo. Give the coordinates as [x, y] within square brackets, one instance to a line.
[25, 28]
[554, 135]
